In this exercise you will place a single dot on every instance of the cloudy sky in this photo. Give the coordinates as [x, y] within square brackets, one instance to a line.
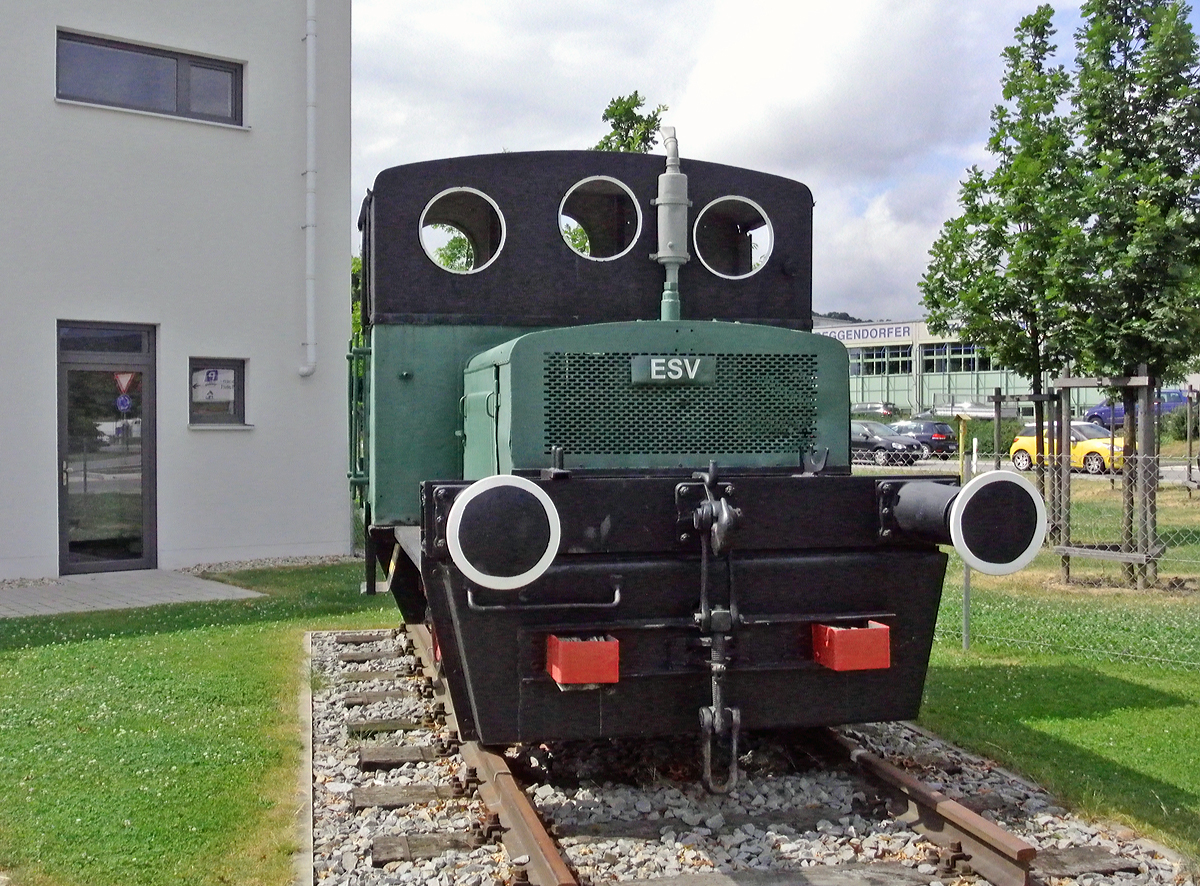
[879, 106]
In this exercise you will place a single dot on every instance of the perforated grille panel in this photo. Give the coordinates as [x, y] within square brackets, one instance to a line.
[761, 404]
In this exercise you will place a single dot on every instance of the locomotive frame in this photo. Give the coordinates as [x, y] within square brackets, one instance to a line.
[616, 480]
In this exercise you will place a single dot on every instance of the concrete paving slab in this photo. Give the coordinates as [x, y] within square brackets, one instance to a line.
[111, 590]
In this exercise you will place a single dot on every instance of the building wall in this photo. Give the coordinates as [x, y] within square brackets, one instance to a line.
[907, 381]
[197, 229]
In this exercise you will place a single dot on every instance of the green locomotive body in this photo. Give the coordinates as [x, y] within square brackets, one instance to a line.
[621, 525]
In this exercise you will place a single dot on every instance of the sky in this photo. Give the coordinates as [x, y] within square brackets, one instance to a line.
[879, 107]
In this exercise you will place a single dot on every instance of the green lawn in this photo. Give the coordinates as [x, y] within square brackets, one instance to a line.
[1095, 696]
[160, 746]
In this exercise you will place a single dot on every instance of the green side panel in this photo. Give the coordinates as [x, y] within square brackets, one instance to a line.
[415, 420]
[504, 429]
[480, 397]
[777, 393]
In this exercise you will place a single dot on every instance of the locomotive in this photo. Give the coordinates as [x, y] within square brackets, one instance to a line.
[603, 456]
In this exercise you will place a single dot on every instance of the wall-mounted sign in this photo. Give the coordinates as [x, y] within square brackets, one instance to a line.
[212, 386]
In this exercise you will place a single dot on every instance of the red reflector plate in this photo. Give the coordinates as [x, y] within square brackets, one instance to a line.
[570, 660]
[852, 649]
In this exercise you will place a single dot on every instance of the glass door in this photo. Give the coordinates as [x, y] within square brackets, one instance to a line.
[106, 501]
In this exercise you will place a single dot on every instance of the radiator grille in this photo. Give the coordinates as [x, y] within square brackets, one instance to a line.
[761, 404]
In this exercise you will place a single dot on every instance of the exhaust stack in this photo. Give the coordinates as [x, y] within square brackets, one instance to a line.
[672, 202]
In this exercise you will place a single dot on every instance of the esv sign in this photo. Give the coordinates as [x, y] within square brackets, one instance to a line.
[672, 369]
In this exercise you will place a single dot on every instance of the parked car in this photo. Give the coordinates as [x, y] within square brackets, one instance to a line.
[872, 441]
[973, 410]
[936, 437]
[876, 408]
[1114, 416]
[1089, 448]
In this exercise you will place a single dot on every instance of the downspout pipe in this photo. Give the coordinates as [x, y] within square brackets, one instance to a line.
[672, 203]
[310, 197]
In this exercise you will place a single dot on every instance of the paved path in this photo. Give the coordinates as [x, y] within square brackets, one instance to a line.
[111, 590]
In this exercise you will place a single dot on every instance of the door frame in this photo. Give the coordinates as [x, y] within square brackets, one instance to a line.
[112, 361]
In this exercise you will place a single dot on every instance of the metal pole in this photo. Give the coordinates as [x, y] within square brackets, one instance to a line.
[1129, 540]
[1149, 482]
[1064, 476]
[1187, 414]
[1052, 485]
[962, 448]
[1144, 430]
[966, 600]
[996, 428]
[1112, 443]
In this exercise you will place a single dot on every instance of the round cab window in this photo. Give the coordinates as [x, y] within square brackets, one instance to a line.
[599, 218]
[733, 237]
[462, 230]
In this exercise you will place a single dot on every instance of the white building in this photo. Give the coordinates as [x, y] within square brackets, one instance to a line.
[160, 246]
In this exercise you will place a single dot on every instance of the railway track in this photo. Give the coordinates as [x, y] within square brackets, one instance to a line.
[402, 800]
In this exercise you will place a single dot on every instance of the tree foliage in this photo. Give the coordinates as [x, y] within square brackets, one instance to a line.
[994, 278]
[355, 297]
[631, 132]
[1137, 101]
[456, 254]
[1083, 244]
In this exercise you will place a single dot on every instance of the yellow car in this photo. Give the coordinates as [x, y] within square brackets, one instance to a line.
[1089, 448]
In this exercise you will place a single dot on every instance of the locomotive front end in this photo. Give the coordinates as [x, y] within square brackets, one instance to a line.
[619, 526]
[669, 538]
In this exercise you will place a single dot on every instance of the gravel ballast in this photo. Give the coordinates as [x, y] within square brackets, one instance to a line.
[619, 817]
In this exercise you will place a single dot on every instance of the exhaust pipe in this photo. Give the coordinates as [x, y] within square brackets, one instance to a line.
[997, 522]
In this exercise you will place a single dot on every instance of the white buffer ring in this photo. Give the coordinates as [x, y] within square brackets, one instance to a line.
[454, 525]
[959, 505]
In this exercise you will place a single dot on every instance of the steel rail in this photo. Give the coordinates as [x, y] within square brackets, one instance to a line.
[1003, 858]
[524, 835]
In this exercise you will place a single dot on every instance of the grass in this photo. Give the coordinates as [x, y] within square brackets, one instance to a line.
[1094, 693]
[159, 745]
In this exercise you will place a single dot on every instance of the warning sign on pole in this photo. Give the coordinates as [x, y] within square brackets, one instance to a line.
[124, 380]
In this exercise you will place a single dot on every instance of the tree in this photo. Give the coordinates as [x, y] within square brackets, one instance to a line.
[355, 297]
[1138, 239]
[632, 132]
[995, 277]
[456, 253]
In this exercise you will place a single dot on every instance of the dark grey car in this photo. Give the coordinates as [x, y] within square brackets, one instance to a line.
[872, 441]
[937, 438]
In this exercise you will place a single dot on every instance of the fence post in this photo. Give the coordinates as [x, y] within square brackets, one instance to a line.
[1064, 478]
[1187, 414]
[996, 428]
[1053, 485]
[1146, 488]
[966, 603]
[1129, 488]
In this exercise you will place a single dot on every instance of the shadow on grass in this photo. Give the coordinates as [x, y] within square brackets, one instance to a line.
[292, 594]
[994, 710]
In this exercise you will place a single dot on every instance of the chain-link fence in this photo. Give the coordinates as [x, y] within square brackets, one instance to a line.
[1122, 552]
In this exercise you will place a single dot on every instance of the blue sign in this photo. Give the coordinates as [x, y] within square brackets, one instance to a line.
[124, 404]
